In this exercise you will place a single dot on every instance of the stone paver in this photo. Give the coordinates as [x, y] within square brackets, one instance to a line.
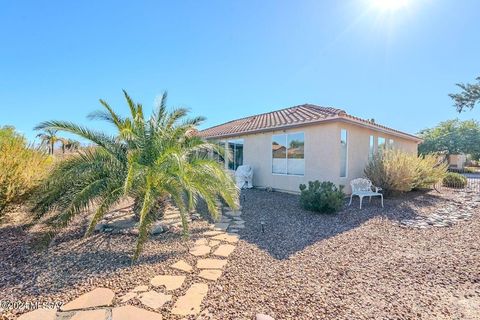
[153, 299]
[237, 226]
[189, 304]
[170, 282]
[212, 233]
[232, 238]
[201, 250]
[140, 288]
[211, 263]
[99, 314]
[224, 250]
[222, 225]
[210, 274]
[213, 243]
[182, 266]
[128, 296]
[201, 241]
[133, 313]
[98, 297]
[39, 314]
[233, 213]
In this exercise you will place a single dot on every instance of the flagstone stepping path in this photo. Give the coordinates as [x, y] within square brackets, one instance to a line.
[100, 303]
[189, 304]
[169, 282]
[182, 266]
[154, 299]
[99, 297]
[224, 250]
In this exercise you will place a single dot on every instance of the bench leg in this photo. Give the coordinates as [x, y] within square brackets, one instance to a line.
[351, 196]
[361, 199]
[381, 197]
[370, 200]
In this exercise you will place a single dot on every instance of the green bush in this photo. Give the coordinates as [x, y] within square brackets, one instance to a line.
[397, 171]
[322, 197]
[454, 180]
[21, 167]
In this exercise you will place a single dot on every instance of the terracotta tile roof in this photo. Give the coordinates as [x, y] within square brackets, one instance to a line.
[290, 117]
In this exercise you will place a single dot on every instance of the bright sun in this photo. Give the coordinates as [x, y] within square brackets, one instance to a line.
[390, 5]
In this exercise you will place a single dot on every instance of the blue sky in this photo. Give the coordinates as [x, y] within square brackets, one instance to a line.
[229, 59]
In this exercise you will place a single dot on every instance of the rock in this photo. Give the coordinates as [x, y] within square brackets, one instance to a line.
[211, 263]
[157, 229]
[128, 296]
[134, 313]
[39, 314]
[212, 233]
[233, 213]
[232, 238]
[222, 226]
[140, 288]
[224, 250]
[99, 314]
[99, 297]
[195, 216]
[210, 274]
[169, 282]
[261, 316]
[201, 250]
[213, 243]
[182, 266]
[201, 241]
[190, 303]
[153, 299]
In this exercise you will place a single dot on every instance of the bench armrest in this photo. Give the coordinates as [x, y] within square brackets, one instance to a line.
[377, 189]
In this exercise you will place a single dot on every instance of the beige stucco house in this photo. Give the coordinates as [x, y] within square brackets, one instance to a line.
[306, 142]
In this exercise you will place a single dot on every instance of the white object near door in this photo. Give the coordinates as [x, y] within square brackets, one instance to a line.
[244, 176]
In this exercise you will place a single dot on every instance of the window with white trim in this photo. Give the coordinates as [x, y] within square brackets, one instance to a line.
[381, 144]
[343, 153]
[288, 154]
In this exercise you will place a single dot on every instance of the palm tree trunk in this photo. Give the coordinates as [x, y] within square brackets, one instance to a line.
[51, 147]
[157, 211]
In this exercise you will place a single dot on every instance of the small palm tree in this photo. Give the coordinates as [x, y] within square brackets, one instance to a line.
[49, 138]
[152, 160]
[69, 144]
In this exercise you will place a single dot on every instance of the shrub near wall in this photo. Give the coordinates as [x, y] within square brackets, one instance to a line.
[454, 180]
[397, 171]
[323, 197]
[21, 167]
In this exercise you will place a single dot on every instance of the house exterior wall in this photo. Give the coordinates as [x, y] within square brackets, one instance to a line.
[457, 161]
[322, 151]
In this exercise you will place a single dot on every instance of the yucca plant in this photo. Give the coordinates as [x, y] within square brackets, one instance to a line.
[151, 160]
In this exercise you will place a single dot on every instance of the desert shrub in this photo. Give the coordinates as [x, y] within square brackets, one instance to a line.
[21, 167]
[397, 171]
[322, 197]
[454, 180]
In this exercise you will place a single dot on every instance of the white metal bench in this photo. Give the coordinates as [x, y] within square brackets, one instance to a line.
[363, 188]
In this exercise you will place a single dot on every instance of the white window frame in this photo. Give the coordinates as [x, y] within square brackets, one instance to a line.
[346, 153]
[286, 155]
[371, 147]
[235, 141]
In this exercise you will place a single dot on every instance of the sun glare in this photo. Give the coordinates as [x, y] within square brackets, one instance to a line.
[390, 5]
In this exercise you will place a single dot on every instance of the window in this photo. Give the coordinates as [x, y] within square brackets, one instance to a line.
[236, 151]
[381, 144]
[343, 153]
[371, 150]
[288, 155]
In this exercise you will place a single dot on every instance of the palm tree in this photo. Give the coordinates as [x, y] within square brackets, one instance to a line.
[69, 144]
[49, 138]
[153, 160]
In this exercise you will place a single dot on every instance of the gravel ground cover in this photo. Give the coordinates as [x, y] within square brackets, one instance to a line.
[358, 264]
[73, 266]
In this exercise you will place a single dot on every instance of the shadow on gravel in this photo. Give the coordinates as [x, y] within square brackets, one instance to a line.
[290, 229]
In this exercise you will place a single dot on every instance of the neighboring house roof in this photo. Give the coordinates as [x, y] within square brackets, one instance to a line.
[305, 114]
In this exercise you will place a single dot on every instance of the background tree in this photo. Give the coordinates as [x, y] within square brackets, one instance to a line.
[452, 137]
[49, 138]
[153, 160]
[468, 98]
